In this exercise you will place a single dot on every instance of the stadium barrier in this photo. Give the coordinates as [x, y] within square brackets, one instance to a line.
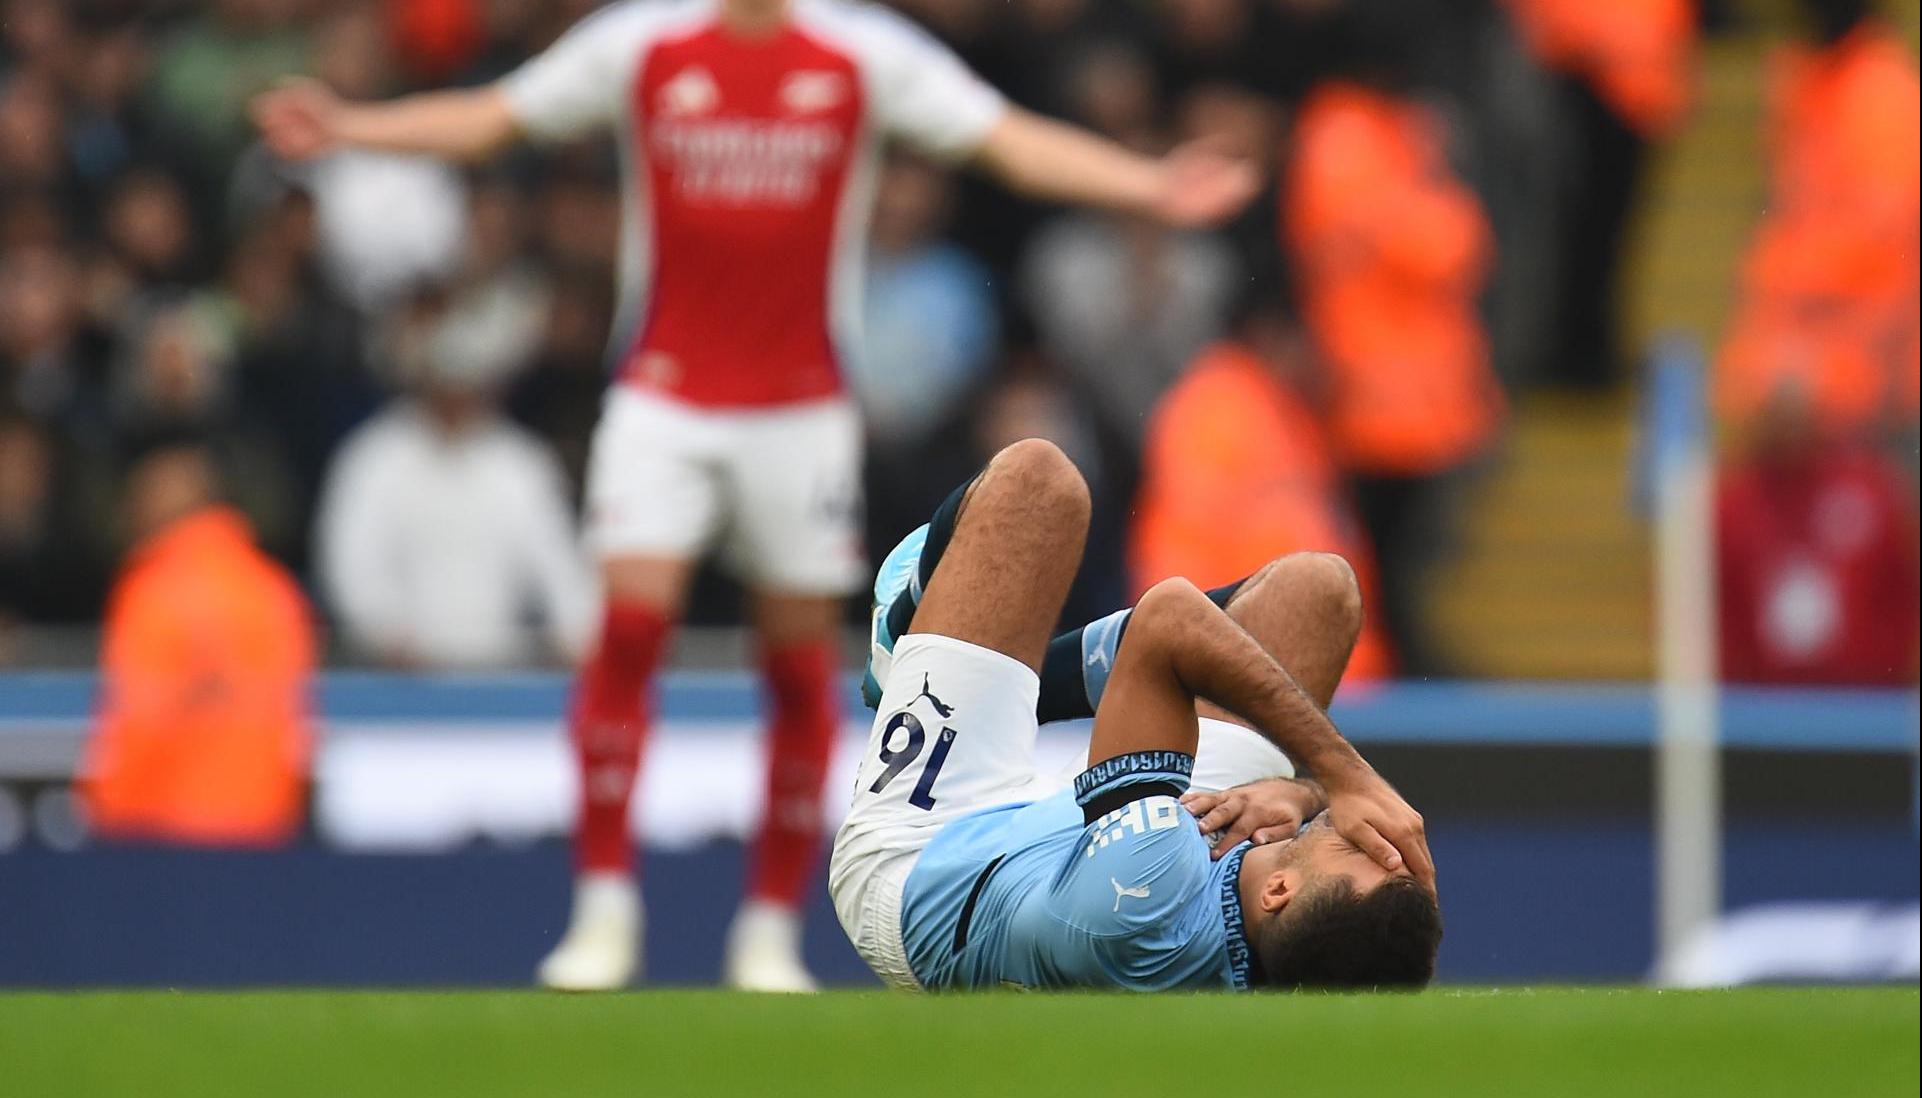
[439, 804]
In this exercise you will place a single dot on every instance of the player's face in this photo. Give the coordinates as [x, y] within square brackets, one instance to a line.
[1318, 854]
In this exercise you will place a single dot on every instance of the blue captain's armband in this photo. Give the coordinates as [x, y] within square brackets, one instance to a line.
[1112, 783]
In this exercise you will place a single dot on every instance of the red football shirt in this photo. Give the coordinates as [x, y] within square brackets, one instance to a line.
[750, 164]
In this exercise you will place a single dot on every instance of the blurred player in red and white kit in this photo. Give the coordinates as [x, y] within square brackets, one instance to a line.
[750, 132]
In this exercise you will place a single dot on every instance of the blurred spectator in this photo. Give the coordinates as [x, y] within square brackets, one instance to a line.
[386, 222]
[203, 734]
[52, 366]
[1829, 285]
[1122, 304]
[106, 129]
[559, 395]
[175, 369]
[1237, 472]
[149, 230]
[1817, 557]
[33, 151]
[298, 369]
[1246, 125]
[929, 340]
[1627, 76]
[438, 40]
[1202, 42]
[147, 252]
[1390, 250]
[47, 574]
[33, 32]
[209, 68]
[499, 293]
[444, 530]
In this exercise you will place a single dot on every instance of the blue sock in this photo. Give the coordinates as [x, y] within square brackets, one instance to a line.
[1075, 671]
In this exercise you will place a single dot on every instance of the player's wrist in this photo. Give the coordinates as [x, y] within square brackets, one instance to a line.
[347, 123]
[1340, 769]
[1309, 795]
[1160, 189]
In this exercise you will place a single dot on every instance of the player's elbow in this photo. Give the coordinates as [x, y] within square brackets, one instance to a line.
[1000, 151]
[490, 128]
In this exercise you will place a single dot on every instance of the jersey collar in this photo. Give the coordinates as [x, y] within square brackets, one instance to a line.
[1241, 968]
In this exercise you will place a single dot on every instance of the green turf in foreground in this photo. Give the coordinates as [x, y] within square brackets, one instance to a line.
[1808, 1043]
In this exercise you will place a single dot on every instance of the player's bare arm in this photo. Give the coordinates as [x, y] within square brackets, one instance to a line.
[303, 119]
[1192, 186]
[1182, 647]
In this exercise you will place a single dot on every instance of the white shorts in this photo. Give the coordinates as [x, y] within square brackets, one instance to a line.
[955, 734]
[777, 491]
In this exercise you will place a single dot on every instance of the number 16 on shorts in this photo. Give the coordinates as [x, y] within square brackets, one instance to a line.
[901, 743]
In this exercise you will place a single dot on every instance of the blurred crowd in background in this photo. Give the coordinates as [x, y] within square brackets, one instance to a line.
[391, 367]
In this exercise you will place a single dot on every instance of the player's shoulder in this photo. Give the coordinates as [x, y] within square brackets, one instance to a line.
[880, 33]
[1138, 865]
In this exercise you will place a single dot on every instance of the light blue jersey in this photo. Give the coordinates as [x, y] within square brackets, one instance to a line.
[1107, 885]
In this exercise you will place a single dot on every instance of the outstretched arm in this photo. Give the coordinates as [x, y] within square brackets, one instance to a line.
[302, 119]
[1179, 647]
[1046, 159]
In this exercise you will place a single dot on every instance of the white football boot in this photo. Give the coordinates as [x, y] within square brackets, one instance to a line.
[601, 949]
[764, 950]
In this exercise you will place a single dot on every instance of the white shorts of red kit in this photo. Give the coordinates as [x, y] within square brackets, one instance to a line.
[775, 492]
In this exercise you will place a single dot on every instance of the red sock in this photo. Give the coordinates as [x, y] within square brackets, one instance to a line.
[609, 723]
[800, 680]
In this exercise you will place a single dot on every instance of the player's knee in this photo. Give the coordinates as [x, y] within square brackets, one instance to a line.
[1167, 612]
[657, 583]
[1332, 583]
[1035, 473]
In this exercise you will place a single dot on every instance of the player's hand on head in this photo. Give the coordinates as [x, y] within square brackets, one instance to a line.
[1264, 812]
[1204, 185]
[1366, 811]
[297, 118]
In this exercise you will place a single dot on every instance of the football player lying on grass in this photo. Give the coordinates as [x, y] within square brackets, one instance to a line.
[960, 866]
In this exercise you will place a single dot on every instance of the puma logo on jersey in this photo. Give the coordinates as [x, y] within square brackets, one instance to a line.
[945, 710]
[813, 90]
[1137, 893]
[690, 91]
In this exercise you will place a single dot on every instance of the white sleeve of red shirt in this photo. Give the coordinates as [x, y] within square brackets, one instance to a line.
[576, 86]
[920, 91]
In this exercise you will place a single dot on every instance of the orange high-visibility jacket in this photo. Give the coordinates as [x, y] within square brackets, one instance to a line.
[1235, 473]
[202, 731]
[1638, 55]
[1392, 251]
[1829, 284]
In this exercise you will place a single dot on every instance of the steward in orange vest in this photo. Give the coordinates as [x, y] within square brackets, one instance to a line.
[1235, 473]
[202, 734]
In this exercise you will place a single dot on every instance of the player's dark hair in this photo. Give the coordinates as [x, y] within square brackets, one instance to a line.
[1337, 938]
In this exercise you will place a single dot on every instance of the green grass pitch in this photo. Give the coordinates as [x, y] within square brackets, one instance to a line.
[1809, 1043]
